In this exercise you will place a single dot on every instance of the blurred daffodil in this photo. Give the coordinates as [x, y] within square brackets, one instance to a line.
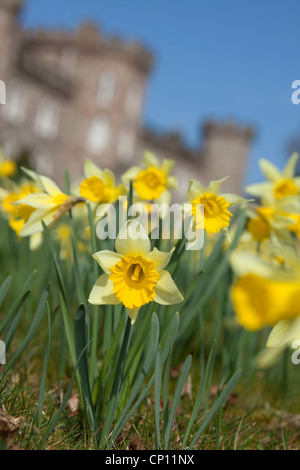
[99, 185]
[134, 275]
[152, 181]
[279, 184]
[267, 289]
[7, 167]
[47, 205]
[208, 204]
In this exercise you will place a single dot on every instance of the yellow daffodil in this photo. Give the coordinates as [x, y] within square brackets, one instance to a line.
[207, 203]
[274, 220]
[134, 275]
[279, 184]
[7, 167]
[267, 290]
[99, 185]
[152, 181]
[48, 205]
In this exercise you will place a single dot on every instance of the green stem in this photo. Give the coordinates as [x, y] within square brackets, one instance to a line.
[116, 386]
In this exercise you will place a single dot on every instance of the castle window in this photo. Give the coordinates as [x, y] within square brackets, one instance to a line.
[98, 135]
[14, 111]
[126, 145]
[134, 101]
[107, 87]
[47, 119]
[42, 161]
[68, 59]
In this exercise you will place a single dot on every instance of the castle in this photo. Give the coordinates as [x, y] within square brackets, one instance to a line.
[77, 95]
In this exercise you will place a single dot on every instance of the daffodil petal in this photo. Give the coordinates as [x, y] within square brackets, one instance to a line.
[130, 174]
[165, 197]
[172, 182]
[167, 165]
[269, 170]
[214, 186]
[90, 170]
[150, 159]
[259, 189]
[166, 291]
[234, 199]
[132, 239]
[133, 313]
[159, 258]
[38, 201]
[34, 223]
[247, 263]
[284, 333]
[195, 190]
[35, 241]
[44, 182]
[102, 292]
[267, 357]
[289, 170]
[106, 259]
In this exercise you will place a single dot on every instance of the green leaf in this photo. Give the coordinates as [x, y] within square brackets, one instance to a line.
[33, 327]
[81, 342]
[44, 374]
[180, 384]
[157, 393]
[216, 406]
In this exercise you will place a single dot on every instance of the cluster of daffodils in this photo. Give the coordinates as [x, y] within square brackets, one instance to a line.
[266, 292]
[133, 274]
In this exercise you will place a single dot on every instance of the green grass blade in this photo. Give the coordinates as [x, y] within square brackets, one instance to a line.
[4, 288]
[153, 344]
[157, 395]
[33, 327]
[53, 423]
[216, 406]
[180, 384]
[44, 374]
[200, 394]
[81, 341]
[118, 376]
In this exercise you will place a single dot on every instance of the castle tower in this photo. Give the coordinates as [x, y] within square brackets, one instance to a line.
[9, 29]
[225, 151]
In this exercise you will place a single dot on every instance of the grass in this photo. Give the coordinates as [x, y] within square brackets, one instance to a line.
[254, 418]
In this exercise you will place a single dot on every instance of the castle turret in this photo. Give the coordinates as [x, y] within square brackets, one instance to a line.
[226, 148]
[9, 28]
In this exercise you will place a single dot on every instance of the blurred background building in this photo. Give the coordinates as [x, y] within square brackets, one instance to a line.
[77, 95]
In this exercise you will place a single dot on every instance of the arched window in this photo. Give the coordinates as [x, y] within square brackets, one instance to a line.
[68, 59]
[107, 87]
[126, 144]
[14, 111]
[134, 101]
[47, 119]
[98, 135]
[42, 161]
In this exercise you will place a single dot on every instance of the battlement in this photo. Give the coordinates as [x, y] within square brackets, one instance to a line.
[88, 39]
[172, 143]
[229, 128]
[14, 5]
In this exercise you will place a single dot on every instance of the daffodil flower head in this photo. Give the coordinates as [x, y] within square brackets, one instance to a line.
[215, 206]
[134, 275]
[49, 204]
[7, 167]
[152, 180]
[99, 185]
[267, 288]
[279, 183]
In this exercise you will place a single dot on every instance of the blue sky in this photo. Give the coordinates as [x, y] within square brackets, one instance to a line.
[233, 59]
